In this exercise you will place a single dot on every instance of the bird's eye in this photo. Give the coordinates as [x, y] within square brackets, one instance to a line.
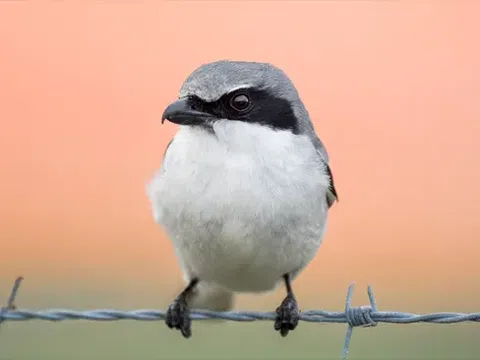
[240, 102]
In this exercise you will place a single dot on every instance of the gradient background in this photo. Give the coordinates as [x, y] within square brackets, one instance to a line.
[394, 90]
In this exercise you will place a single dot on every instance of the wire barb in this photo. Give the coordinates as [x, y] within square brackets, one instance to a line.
[11, 299]
[360, 316]
[364, 316]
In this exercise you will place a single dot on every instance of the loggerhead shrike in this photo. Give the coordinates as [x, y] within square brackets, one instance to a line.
[244, 188]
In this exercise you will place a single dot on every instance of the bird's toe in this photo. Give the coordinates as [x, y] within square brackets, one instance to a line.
[288, 316]
[178, 317]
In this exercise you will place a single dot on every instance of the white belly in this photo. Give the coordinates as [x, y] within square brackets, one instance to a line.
[241, 211]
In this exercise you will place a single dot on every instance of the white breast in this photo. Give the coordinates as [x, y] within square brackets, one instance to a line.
[242, 206]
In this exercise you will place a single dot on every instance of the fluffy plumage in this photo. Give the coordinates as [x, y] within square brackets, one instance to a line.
[245, 201]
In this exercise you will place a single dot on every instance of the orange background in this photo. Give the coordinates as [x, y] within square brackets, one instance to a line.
[392, 87]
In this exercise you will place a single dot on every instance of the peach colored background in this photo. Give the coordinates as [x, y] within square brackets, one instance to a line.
[393, 88]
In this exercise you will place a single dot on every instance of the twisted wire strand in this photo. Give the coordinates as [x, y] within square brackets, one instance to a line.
[56, 315]
[365, 316]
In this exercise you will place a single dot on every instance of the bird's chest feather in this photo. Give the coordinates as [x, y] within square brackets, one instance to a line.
[245, 191]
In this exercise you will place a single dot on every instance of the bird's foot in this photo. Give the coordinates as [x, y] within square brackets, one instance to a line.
[178, 316]
[287, 315]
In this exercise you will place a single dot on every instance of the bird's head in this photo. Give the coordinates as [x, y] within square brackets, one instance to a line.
[251, 92]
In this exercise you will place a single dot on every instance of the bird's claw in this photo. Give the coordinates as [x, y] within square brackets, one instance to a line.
[288, 316]
[178, 317]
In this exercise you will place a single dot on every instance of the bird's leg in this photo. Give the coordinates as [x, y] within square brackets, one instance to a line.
[287, 313]
[178, 313]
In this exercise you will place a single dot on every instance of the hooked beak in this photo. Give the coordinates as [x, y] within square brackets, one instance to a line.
[181, 112]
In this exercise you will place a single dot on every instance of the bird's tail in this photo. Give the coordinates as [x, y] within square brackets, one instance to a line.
[208, 296]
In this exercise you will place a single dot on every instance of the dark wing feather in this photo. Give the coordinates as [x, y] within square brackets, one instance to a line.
[322, 152]
[331, 192]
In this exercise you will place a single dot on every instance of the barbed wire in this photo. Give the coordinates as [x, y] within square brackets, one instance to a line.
[365, 316]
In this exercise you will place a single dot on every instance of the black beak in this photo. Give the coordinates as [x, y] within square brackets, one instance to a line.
[181, 112]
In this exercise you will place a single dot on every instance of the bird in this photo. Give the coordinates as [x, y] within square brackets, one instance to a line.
[243, 190]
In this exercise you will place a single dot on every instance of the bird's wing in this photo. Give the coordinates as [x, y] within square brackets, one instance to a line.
[322, 152]
[331, 191]
[163, 169]
[155, 185]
